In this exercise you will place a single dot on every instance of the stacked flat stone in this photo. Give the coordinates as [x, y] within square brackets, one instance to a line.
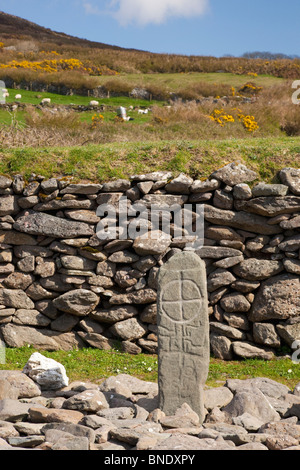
[63, 288]
[40, 411]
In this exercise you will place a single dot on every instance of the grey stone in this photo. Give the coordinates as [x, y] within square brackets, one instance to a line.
[129, 329]
[77, 302]
[292, 266]
[83, 215]
[48, 373]
[217, 252]
[144, 186]
[153, 176]
[290, 244]
[38, 223]
[278, 298]
[123, 256]
[143, 296]
[217, 397]
[114, 314]
[235, 302]
[115, 186]
[291, 177]
[30, 317]
[249, 351]
[50, 185]
[182, 308]
[163, 201]
[219, 278]
[235, 173]
[16, 336]
[199, 186]
[88, 401]
[26, 250]
[292, 223]
[62, 204]
[97, 340]
[270, 388]
[28, 202]
[254, 269]
[240, 220]
[254, 402]
[44, 268]
[77, 262]
[181, 184]
[242, 191]
[263, 189]
[18, 184]
[13, 410]
[227, 330]
[12, 237]
[77, 430]
[81, 188]
[25, 387]
[221, 346]
[289, 332]
[5, 182]
[223, 199]
[270, 206]
[8, 205]
[265, 333]
[186, 442]
[153, 243]
[64, 323]
[15, 298]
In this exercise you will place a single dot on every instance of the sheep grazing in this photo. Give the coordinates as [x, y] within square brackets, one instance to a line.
[18, 97]
[46, 101]
[94, 103]
[5, 94]
[143, 111]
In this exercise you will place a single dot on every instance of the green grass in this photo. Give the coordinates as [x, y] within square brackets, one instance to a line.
[176, 81]
[120, 160]
[33, 97]
[95, 365]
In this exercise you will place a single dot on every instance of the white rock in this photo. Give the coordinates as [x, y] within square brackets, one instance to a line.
[48, 373]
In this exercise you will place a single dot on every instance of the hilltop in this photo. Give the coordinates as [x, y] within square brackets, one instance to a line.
[16, 28]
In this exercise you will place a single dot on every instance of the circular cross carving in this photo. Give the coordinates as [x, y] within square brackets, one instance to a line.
[181, 300]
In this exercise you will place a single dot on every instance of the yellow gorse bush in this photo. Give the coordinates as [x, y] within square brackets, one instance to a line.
[57, 65]
[222, 118]
[219, 116]
[248, 122]
[250, 88]
[96, 120]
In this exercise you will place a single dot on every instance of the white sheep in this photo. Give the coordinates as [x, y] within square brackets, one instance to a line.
[46, 101]
[5, 94]
[18, 97]
[143, 111]
[94, 103]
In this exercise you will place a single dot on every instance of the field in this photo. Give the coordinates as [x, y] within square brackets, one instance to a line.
[94, 365]
[203, 113]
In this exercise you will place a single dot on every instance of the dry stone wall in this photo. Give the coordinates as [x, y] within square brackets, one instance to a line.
[62, 287]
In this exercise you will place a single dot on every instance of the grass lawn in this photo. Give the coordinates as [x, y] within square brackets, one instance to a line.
[120, 160]
[33, 97]
[176, 81]
[95, 365]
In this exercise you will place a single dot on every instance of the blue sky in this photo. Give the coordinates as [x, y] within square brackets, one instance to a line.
[192, 27]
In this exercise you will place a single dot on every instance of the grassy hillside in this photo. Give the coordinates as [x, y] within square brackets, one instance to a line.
[190, 126]
[120, 160]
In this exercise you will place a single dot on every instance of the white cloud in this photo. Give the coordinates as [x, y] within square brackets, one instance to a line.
[143, 12]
